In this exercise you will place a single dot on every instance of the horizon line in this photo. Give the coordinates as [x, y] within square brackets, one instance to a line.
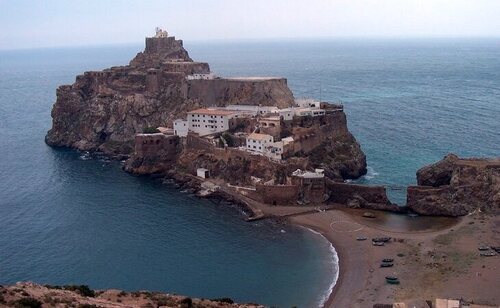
[267, 40]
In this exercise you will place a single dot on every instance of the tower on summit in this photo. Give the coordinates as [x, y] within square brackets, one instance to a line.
[160, 32]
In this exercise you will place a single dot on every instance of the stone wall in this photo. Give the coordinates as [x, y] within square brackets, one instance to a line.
[310, 132]
[154, 145]
[220, 91]
[278, 194]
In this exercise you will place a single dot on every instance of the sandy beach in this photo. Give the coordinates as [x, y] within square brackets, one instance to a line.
[434, 257]
[430, 263]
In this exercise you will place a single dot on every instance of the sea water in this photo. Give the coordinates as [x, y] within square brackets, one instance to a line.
[69, 218]
[66, 219]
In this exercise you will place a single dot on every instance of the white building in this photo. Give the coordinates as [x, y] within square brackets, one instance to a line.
[318, 173]
[208, 121]
[307, 103]
[287, 114]
[255, 110]
[203, 173]
[258, 142]
[181, 128]
[201, 76]
[311, 111]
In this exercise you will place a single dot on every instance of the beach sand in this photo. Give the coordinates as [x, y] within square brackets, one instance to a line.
[429, 263]
[434, 257]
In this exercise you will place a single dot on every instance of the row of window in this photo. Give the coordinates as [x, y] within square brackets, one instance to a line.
[210, 121]
[212, 116]
[206, 126]
[254, 147]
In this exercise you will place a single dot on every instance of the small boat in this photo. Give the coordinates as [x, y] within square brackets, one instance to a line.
[388, 260]
[378, 243]
[488, 254]
[483, 248]
[386, 264]
[391, 280]
[361, 238]
[381, 239]
[369, 215]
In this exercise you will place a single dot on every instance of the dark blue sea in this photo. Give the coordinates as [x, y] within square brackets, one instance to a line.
[67, 219]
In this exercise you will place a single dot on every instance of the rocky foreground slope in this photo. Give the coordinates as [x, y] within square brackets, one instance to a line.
[455, 187]
[26, 294]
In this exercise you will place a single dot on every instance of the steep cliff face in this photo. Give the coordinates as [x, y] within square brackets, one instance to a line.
[456, 187]
[104, 110]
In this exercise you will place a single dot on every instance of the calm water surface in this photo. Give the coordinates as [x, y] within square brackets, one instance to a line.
[64, 219]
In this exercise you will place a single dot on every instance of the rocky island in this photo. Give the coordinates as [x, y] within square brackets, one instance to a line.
[248, 139]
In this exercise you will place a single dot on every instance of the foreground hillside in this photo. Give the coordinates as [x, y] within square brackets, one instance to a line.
[26, 294]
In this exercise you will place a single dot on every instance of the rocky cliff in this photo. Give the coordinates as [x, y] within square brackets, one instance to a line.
[455, 187]
[103, 110]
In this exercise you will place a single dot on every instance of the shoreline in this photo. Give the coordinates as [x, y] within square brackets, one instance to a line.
[360, 281]
[336, 262]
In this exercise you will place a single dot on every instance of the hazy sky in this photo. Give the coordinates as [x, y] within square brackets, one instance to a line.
[46, 23]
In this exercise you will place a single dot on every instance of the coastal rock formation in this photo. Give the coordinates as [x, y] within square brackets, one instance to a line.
[26, 294]
[455, 187]
[103, 110]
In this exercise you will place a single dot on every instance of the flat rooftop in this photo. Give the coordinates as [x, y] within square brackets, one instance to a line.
[253, 78]
[210, 111]
[257, 136]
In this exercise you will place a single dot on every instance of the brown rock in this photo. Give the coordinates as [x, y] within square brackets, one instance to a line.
[456, 187]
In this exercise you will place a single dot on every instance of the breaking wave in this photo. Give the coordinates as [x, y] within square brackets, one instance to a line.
[370, 174]
[335, 265]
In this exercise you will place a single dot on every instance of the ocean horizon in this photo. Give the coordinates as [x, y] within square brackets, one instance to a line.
[66, 219]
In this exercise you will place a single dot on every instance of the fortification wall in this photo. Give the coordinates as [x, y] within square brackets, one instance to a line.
[310, 132]
[278, 194]
[219, 91]
[156, 145]
[187, 68]
[159, 44]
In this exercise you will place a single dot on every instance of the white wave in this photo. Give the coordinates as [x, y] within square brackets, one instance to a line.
[370, 173]
[336, 269]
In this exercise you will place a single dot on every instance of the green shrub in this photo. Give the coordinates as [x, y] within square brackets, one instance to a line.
[27, 302]
[150, 130]
[186, 302]
[83, 290]
[223, 300]
[229, 139]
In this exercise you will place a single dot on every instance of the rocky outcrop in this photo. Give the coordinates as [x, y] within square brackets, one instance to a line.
[341, 158]
[455, 187]
[437, 174]
[27, 294]
[104, 110]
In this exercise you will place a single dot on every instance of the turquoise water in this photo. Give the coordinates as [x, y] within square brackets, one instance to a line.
[64, 219]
